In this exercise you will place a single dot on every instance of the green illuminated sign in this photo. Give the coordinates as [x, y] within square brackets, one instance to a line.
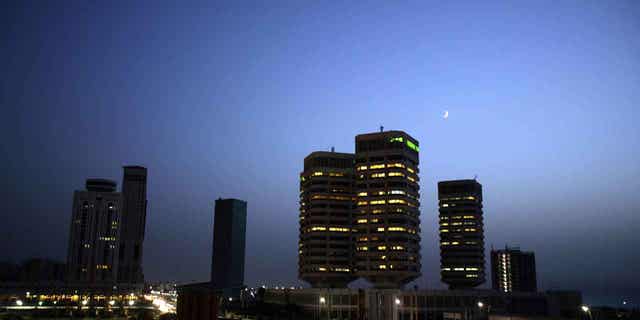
[399, 139]
[412, 146]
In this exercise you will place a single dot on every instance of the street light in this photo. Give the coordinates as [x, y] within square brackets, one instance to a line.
[323, 300]
[131, 302]
[397, 301]
[480, 304]
[584, 308]
[19, 303]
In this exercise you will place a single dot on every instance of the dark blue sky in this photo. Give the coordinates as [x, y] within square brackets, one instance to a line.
[225, 100]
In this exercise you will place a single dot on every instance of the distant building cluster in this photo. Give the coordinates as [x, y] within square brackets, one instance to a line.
[107, 231]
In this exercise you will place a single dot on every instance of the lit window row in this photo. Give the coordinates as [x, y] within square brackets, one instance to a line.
[331, 174]
[362, 248]
[362, 194]
[362, 220]
[396, 174]
[108, 238]
[376, 166]
[392, 201]
[397, 248]
[102, 267]
[378, 175]
[458, 198]
[382, 248]
[470, 229]
[324, 197]
[374, 202]
[472, 275]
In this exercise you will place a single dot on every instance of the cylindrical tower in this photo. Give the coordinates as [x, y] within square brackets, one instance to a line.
[326, 206]
[461, 233]
[387, 216]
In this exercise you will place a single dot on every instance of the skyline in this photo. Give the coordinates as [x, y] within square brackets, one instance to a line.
[546, 121]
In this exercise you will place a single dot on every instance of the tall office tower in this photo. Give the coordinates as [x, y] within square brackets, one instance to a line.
[326, 206]
[227, 264]
[513, 270]
[134, 215]
[94, 233]
[387, 217]
[461, 233]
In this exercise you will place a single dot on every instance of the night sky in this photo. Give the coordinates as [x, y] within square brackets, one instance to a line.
[225, 100]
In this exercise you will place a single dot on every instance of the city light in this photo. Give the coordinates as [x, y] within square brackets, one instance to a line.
[112, 302]
[323, 300]
[131, 302]
[39, 303]
[480, 304]
[584, 308]
[84, 302]
[397, 301]
[19, 303]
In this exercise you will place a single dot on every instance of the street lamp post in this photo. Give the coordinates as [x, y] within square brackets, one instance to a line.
[397, 303]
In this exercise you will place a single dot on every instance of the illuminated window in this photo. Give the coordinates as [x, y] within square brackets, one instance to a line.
[471, 275]
[396, 139]
[410, 170]
[377, 202]
[469, 217]
[456, 223]
[458, 269]
[318, 173]
[335, 229]
[445, 243]
[362, 203]
[395, 165]
[382, 266]
[362, 239]
[362, 220]
[444, 224]
[378, 175]
[363, 248]
[444, 205]
[318, 229]
[397, 248]
[470, 198]
[322, 269]
[470, 229]
[411, 179]
[381, 248]
[336, 174]
[376, 166]
[376, 211]
[446, 269]
[455, 243]
[380, 193]
[397, 192]
[397, 201]
[471, 269]
[396, 229]
[444, 230]
[396, 174]
[381, 229]
[374, 220]
[341, 269]
[362, 194]
[362, 168]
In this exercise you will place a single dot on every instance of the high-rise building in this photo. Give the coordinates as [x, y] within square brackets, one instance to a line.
[387, 215]
[134, 215]
[326, 207]
[227, 265]
[92, 256]
[513, 270]
[461, 233]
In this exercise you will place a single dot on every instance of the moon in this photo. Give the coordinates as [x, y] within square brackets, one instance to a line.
[445, 115]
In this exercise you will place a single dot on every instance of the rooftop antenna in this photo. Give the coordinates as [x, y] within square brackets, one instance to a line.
[332, 149]
[381, 128]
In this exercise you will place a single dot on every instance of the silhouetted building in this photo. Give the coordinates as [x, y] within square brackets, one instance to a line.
[513, 270]
[387, 216]
[461, 233]
[134, 215]
[227, 265]
[326, 207]
[93, 238]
